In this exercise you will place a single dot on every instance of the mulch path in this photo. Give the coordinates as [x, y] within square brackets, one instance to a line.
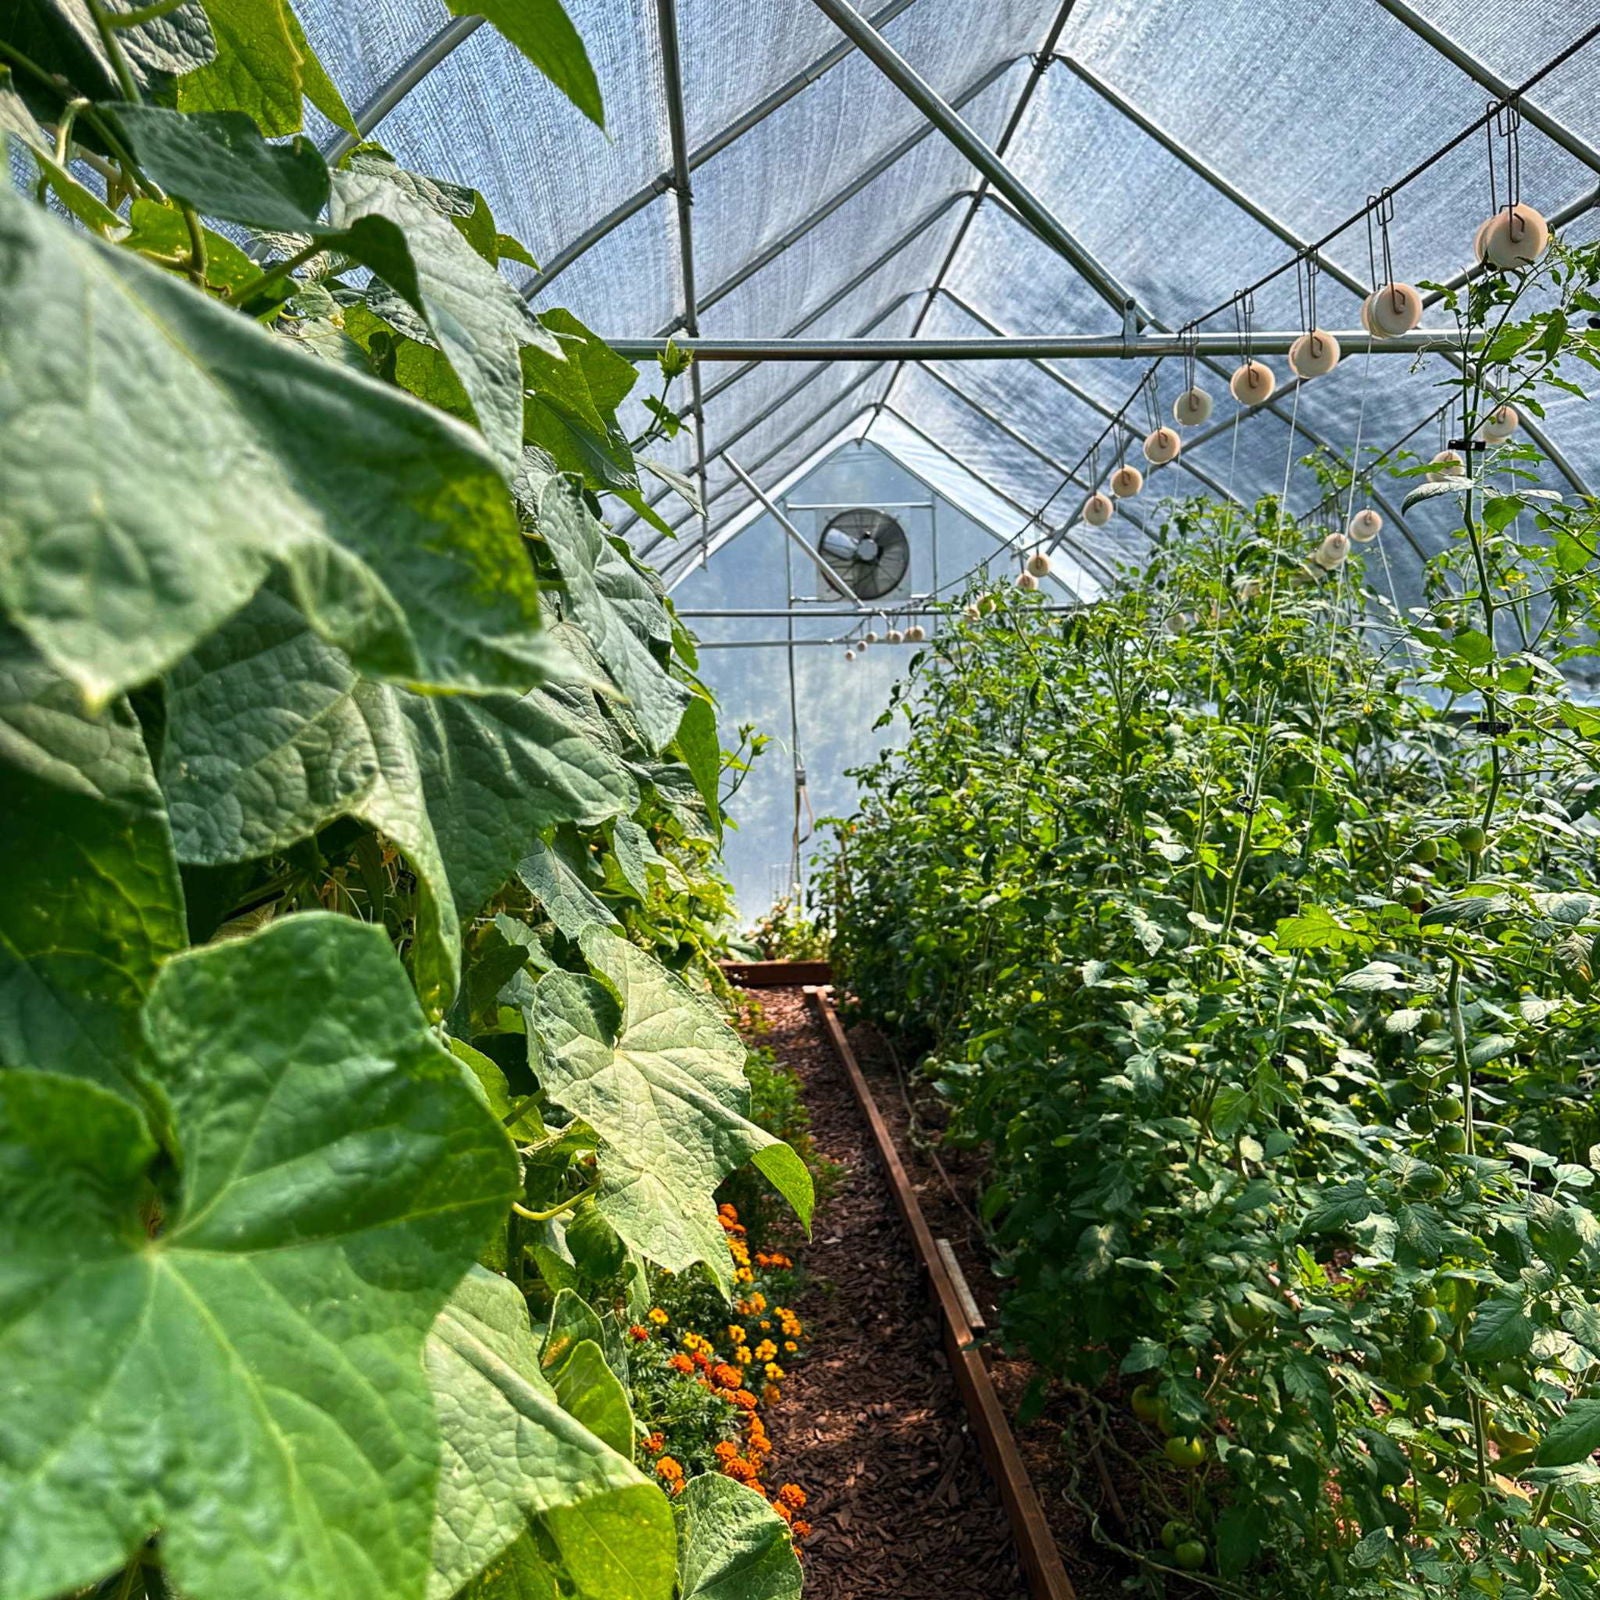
[871, 1423]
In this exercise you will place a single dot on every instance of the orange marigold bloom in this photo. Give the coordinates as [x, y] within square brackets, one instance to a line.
[725, 1450]
[702, 1360]
[669, 1469]
[730, 1395]
[653, 1442]
[757, 1303]
[769, 1395]
[737, 1467]
[659, 1317]
[800, 1528]
[793, 1496]
[728, 1377]
[727, 1212]
[641, 1334]
[681, 1363]
[744, 1399]
[782, 1510]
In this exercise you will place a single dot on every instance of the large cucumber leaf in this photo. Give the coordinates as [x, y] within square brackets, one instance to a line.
[659, 1076]
[615, 612]
[735, 1546]
[153, 475]
[272, 734]
[544, 33]
[246, 1374]
[258, 68]
[92, 902]
[517, 1449]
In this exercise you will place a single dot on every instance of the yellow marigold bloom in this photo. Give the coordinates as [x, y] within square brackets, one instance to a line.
[743, 1275]
[774, 1372]
[736, 1333]
[769, 1395]
[790, 1347]
[758, 1303]
[659, 1317]
[743, 1356]
[766, 1350]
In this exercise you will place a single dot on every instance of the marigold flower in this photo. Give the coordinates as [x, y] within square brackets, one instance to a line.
[790, 1347]
[681, 1363]
[769, 1395]
[744, 1399]
[757, 1304]
[743, 1355]
[729, 1377]
[653, 1442]
[737, 1467]
[659, 1317]
[725, 1450]
[774, 1372]
[636, 1332]
[669, 1469]
[782, 1510]
[702, 1361]
[766, 1350]
[793, 1496]
[800, 1528]
[739, 1252]
[743, 1275]
[736, 1333]
[728, 1213]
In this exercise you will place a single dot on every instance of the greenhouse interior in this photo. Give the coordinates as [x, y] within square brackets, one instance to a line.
[804, 799]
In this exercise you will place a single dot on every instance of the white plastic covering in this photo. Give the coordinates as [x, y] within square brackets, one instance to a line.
[834, 213]
[1305, 107]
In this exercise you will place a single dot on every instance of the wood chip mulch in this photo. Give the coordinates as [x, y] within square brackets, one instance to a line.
[871, 1423]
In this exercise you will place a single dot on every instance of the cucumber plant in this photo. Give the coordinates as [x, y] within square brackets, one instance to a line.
[363, 809]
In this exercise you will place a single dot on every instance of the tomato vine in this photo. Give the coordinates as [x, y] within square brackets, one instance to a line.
[1249, 926]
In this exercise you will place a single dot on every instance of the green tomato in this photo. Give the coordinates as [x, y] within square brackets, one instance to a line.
[1412, 896]
[1432, 1350]
[1424, 1323]
[1249, 1316]
[1185, 1453]
[1426, 853]
[1419, 1119]
[1426, 1183]
[1449, 1108]
[1432, 1021]
[1427, 1295]
[1173, 1534]
[1472, 838]
[1190, 1555]
[1164, 1418]
[1146, 1404]
[1451, 1138]
[1418, 1374]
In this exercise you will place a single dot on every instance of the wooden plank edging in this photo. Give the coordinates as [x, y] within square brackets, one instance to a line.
[1036, 1545]
[776, 974]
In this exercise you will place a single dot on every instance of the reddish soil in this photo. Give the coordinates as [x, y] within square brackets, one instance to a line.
[871, 1424]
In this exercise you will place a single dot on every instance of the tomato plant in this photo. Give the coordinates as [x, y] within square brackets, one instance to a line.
[1249, 927]
[362, 819]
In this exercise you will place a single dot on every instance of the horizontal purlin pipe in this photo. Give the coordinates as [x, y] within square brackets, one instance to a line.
[1048, 347]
